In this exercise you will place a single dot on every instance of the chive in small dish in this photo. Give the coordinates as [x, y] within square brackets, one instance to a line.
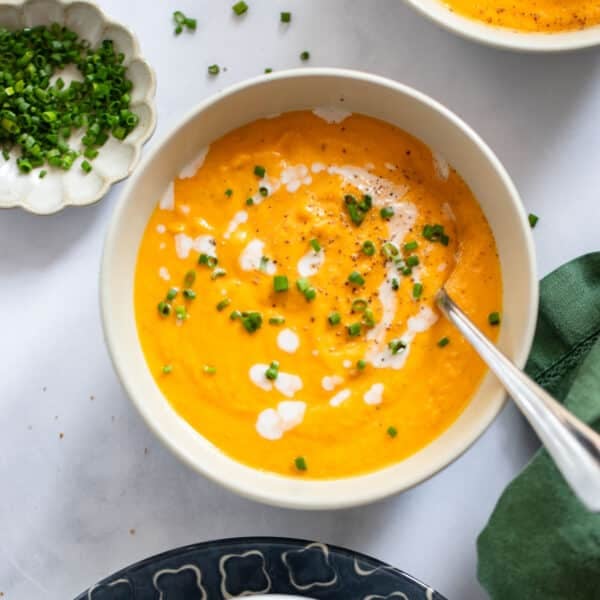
[76, 104]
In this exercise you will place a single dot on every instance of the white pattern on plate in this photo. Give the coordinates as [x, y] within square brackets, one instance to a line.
[197, 572]
[223, 560]
[325, 550]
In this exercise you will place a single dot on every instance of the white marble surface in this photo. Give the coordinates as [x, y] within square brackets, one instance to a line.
[74, 509]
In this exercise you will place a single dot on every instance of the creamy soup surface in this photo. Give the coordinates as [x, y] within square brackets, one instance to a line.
[531, 15]
[284, 294]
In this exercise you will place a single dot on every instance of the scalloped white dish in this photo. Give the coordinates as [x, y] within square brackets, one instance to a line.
[116, 159]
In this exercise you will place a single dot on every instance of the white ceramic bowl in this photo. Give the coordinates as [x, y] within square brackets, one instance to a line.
[509, 39]
[116, 159]
[292, 90]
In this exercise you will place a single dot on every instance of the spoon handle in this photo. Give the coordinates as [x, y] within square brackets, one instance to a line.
[574, 447]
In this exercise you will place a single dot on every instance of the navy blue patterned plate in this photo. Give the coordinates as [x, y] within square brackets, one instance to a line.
[232, 568]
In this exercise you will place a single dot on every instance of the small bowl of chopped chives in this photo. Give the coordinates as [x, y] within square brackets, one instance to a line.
[76, 104]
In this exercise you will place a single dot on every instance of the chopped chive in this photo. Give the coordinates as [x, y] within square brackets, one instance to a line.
[354, 329]
[305, 55]
[209, 370]
[395, 284]
[167, 369]
[436, 233]
[86, 167]
[259, 171]
[396, 345]
[412, 260]
[389, 250]
[411, 246]
[310, 294]
[189, 294]
[359, 305]
[366, 203]
[280, 283]
[273, 371]
[234, 315]
[369, 318]
[25, 165]
[210, 261]
[43, 173]
[223, 304]
[214, 70]
[387, 212]
[239, 8]
[361, 364]
[417, 290]
[218, 273]
[189, 278]
[171, 293]
[249, 201]
[306, 289]
[263, 191]
[181, 313]
[494, 318]
[406, 271]
[533, 219]
[356, 215]
[300, 463]
[356, 278]
[442, 343]
[251, 321]
[315, 244]
[182, 21]
[268, 70]
[302, 284]
[276, 320]
[286, 17]
[164, 308]
[229, 192]
[357, 210]
[368, 248]
[334, 318]
[392, 431]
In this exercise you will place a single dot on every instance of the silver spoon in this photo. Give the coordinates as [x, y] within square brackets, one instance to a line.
[574, 447]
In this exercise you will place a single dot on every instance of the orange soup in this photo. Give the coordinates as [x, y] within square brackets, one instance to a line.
[531, 15]
[284, 294]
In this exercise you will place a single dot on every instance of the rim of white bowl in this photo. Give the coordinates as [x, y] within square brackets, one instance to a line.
[505, 38]
[361, 494]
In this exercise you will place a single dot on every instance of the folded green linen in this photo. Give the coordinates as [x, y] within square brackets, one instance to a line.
[540, 542]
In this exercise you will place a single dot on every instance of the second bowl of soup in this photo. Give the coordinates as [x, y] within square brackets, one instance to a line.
[269, 283]
[523, 25]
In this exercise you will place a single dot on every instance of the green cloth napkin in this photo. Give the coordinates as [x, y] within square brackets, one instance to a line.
[540, 542]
